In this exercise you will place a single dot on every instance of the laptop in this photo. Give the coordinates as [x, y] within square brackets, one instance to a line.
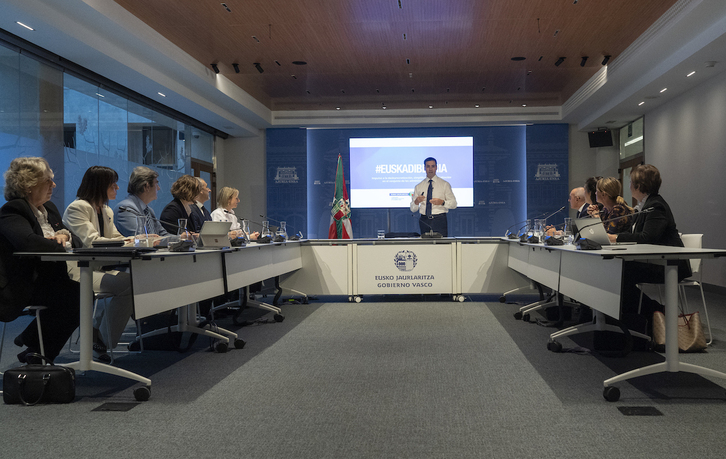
[213, 235]
[596, 232]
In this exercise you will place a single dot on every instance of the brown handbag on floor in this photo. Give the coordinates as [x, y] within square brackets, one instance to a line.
[690, 332]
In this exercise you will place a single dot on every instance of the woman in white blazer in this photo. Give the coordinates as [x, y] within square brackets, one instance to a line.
[91, 219]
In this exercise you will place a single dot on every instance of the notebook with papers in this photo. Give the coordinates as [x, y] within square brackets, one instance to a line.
[213, 235]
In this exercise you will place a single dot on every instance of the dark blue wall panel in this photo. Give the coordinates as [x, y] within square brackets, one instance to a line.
[509, 183]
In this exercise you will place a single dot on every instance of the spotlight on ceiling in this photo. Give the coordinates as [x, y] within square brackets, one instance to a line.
[606, 59]
[258, 67]
[215, 68]
[236, 68]
[583, 61]
[559, 61]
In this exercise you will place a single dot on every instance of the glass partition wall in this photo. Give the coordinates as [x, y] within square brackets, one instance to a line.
[75, 123]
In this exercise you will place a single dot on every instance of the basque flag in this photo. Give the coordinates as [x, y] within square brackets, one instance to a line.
[340, 227]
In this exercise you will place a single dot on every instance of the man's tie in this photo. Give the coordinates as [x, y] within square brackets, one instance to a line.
[429, 197]
[149, 220]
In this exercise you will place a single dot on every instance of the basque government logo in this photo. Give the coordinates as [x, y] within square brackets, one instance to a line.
[405, 260]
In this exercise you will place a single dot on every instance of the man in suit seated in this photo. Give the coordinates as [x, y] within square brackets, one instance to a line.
[577, 203]
[143, 188]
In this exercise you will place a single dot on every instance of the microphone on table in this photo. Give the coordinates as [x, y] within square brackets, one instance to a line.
[262, 239]
[588, 244]
[430, 234]
[511, 235]
[535, 239]
[296, 237]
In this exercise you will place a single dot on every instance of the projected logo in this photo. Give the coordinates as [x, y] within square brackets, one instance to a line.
[405, 260]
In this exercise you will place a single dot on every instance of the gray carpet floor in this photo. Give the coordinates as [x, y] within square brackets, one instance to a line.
[413, 379]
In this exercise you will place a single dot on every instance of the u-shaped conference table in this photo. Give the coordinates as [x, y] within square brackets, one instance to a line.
[457, 266]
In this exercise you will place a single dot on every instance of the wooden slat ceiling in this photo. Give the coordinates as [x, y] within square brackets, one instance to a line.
[459, 51]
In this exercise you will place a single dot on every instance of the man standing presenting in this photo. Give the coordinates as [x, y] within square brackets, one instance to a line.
[433, 198]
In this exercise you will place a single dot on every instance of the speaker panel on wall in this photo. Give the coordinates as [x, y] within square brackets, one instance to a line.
[603, 138]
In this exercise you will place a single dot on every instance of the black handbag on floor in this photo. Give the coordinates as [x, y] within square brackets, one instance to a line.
[35, 383]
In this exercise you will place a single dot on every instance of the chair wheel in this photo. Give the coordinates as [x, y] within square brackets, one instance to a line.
[554, 346]
[142, 394]
[239, 343]
[525, 317]
[220, 347]
[278, 317]
[305, 300]
[502, 299]
[611, 394]
[518, 315]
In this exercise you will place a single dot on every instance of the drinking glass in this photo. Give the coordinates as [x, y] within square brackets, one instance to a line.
[181, 229]
[567, 231]
[141, 236]
[266, 229]
[245, 226]
[283, 230]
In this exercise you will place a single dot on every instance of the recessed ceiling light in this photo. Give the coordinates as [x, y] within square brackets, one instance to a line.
[524, 105]
[477, 105]
[100, 95]
[337, 108]
[664, 90]
[161, 94]
[691, 74]
[26, 26]
[641, 103]
[384, 107]
[431, 106]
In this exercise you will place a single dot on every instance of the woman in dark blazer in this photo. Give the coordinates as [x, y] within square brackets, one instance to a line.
[656, 226]
[184, 190]
[29, 222]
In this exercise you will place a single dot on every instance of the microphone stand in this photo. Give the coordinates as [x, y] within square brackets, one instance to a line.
[430, 234]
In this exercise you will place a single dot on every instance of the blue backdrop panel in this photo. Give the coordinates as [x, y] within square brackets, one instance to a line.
[547, 170]
[501, 172]
[286, 179]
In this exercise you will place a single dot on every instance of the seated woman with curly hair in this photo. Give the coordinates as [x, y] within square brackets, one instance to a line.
[29, 222]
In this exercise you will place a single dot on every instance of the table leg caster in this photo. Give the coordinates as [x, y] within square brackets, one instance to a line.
[518, 315]
[611, 394]
[142, 394]
[554, 346]
[502, 299]
[239, 343]
[358, 299]
[278, 317]
[220, 347]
